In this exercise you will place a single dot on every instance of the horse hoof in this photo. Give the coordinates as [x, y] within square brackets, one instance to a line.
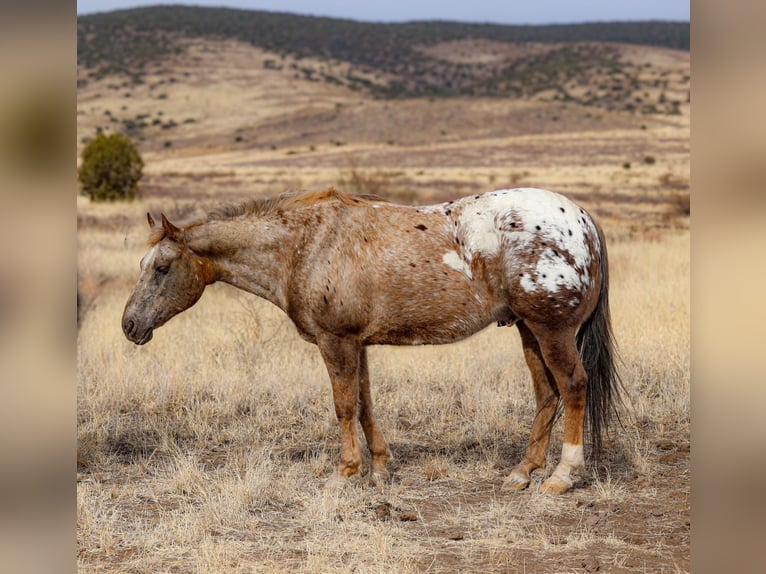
[555, 485]
[379, 477]
[516, 481]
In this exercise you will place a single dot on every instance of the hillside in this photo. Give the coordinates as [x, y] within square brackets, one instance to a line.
[568, 62]
[226, 103]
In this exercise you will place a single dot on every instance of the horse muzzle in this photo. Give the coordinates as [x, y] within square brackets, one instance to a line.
[135, 333]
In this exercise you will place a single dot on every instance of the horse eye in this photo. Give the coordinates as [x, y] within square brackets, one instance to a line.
[162, 269]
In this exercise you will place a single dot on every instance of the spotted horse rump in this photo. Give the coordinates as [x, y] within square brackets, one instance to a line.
[352, 271]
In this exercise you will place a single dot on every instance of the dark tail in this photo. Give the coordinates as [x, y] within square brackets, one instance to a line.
[596, 344]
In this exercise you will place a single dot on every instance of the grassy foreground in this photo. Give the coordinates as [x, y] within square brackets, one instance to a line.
[206, 450]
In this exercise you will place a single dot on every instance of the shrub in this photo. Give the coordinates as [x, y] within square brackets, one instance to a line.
[111, 168]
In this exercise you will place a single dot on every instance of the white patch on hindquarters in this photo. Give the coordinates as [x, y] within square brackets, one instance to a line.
[479, 229]
[556, 216]
[528, 284]
[452, 259]
[485, 224]
[553, 271]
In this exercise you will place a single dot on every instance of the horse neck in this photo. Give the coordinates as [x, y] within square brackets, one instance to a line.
[252, 254]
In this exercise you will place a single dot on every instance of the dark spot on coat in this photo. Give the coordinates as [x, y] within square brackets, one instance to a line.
[365, 238]
[421, 227]
[562, 209]
[537, 227]
[570, 232]
[561, 276]
[447, 211]
[477, 197]
[544, 276]
[413, 265]
[555, 253]
[325, 299]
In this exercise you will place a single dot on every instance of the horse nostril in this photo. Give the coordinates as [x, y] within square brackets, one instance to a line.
[128, 327]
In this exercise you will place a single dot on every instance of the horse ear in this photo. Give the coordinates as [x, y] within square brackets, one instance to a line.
[150, 219]
[171, 230]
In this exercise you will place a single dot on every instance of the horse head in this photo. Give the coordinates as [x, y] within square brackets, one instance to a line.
[172, 279]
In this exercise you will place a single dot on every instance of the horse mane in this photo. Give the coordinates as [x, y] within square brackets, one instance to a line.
[288, 200]
[266, 206]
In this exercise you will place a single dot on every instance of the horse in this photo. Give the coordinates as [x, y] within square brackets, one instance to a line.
[352, 271]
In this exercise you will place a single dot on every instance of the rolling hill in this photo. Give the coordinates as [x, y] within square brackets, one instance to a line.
[229, 103]
[414, 59]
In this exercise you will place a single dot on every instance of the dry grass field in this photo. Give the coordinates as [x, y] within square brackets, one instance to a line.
[206, 450]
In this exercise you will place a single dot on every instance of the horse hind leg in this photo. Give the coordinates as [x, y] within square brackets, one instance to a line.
[376, 442]
[547, 400]
[559, 350]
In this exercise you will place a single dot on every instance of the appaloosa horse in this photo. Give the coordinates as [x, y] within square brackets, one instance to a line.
[352, 271]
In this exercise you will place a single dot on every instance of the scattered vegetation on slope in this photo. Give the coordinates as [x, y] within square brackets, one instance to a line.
[392, 60]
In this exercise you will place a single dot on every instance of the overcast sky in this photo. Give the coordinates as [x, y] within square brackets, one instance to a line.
[497, 11]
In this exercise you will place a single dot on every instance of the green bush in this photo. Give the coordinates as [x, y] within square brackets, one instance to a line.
[111, 168]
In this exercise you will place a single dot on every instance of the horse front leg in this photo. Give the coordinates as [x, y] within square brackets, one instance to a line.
[342, 357]
[375, 440]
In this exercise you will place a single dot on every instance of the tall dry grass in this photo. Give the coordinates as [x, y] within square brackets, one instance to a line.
[206, 449]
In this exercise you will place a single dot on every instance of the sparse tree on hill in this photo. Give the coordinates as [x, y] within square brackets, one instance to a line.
[111, 168]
